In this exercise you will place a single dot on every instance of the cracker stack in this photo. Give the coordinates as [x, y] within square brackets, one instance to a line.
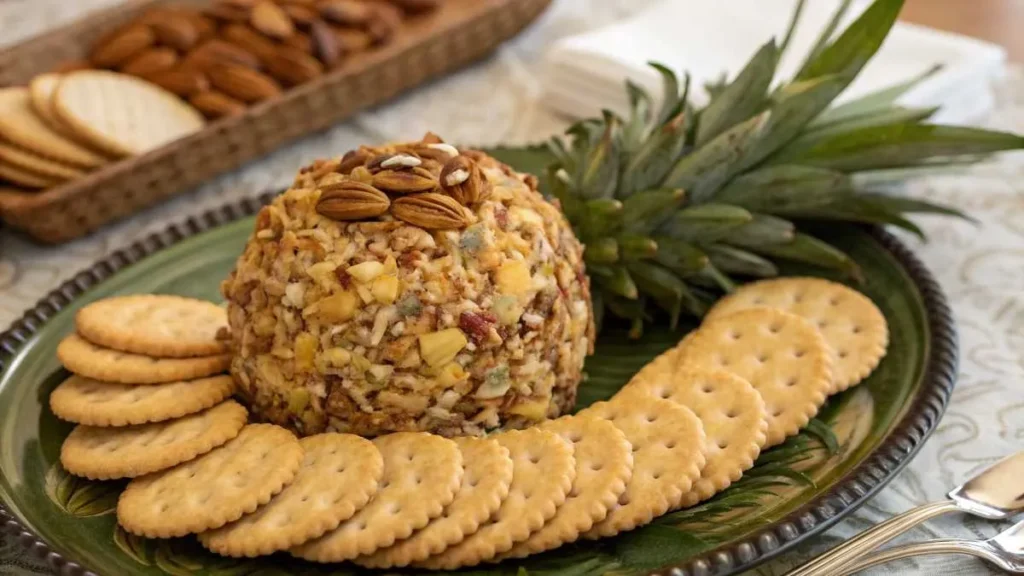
[683, 429]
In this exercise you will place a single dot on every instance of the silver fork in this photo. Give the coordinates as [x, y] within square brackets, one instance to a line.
[1005, 551]
[997, 493]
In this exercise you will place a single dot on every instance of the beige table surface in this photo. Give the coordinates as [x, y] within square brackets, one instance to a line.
[980, 267]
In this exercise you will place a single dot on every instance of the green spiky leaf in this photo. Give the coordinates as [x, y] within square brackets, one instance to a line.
[741, 98]
[706, 222]
[644, 211]
[741, 262]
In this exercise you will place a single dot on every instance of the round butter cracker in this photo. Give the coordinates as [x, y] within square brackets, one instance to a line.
[87, 359]
[422, 473]
[782, 355]
[20, 126]
[219, 487]
[852, 325]
[96, 403]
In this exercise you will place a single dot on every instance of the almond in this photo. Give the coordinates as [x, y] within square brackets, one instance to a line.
[220, 52]
[242, 83]
[300, 41]
[417, 6]
[325, 44]
[385, 22]
[291, 66]
[303, 16]
[351, 159]
[351, 40]
[71, 66]
[405, 181]
[122, 46]
[345, 12]
[150, 61]
[227, 12]
[183, 82]
[431, 211]
[215, 104]
[175, 31]
[351, 200]
[249, 40]
[271, 20]
[205, 27]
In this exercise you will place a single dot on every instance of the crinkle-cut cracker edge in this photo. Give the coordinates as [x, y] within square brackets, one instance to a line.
[554, 534]
[245, 546]
[287, 474]
[879, 324]
[484, 550]
[78, 356]
[399, 554]
[67, 406]
[84, 464]
[92, 324]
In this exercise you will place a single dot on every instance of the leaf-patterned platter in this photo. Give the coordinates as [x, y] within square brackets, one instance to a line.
[857, 443]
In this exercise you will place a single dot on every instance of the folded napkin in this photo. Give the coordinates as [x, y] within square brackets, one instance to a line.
[585, 73]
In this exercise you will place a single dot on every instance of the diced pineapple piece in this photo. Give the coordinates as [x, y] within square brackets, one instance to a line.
[365, 272]
[440, 348]
[525, 215]
[534, 409]
[379, 373]
[298, 399]
[451, 374]
[360, 362]
[337, 357]
[390, 265]
[507, 309]
[340, 307]
[385, 288]
[323, 273]
[513, 277]
[305, 350]
[364, 293]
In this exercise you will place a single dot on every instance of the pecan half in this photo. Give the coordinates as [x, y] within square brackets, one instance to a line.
[409, 181]
[351, 200]
[431, 211]
[462, 179]
[351, 159]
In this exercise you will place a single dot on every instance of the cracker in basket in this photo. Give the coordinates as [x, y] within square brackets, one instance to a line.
[27, 178]
[338, 476]
[668, 455]
[731, 411]
[87, 359]
[485, 484]
[219, 487]
[854, 328]
[782, 355]
[20, 126]
[96, 403]
[543, 470]
[37, 165]
[158, 325]
[41, 90]
[422, 473]
[120, 114]
[604, 465]
[130, 451]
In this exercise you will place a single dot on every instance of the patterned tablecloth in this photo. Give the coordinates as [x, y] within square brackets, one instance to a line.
[981, 267]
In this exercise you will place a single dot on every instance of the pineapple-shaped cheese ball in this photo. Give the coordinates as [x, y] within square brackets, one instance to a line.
[410, 287]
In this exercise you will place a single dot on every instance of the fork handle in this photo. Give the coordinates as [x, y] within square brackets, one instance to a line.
[968, 547]
[831, 562]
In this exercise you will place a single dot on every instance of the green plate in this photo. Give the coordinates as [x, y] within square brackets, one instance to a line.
[857, 443]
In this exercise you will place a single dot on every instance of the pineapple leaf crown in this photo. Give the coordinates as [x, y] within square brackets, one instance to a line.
[676, 204]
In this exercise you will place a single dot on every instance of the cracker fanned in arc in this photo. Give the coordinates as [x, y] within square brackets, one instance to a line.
[604, 465]
[37, 165]
[83, 357]
[158, 325]
[668, 455]
[219, 487]
[730, 409]
[485, 484]
[20, 126]
[854, 328]
[422, 473]
[782, 356]
[338, 476]
[97, 403]
[543, 470]
[26, 178]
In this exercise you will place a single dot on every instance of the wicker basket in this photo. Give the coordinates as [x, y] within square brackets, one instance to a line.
[460, 32]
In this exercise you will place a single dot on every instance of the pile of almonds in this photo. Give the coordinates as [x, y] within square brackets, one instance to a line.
[233, 53]
[428, 184]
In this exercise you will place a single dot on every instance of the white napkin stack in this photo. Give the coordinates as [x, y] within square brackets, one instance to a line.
[585, 73]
